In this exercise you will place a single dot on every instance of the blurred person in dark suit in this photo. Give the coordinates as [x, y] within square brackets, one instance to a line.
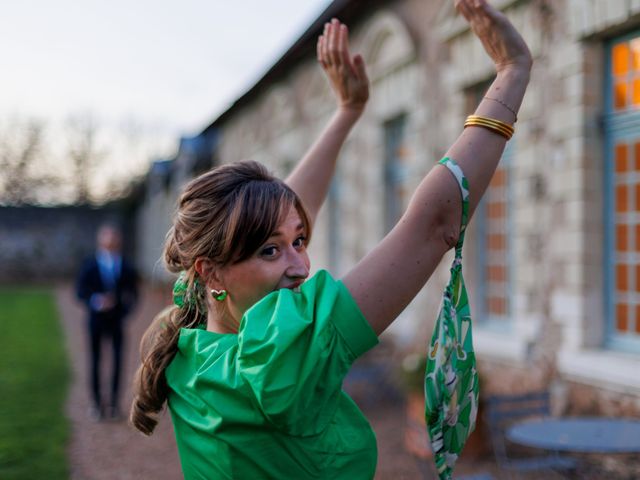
[107, 284]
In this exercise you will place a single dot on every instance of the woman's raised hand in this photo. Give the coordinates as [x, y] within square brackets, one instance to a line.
[500, 39]
[347, 75]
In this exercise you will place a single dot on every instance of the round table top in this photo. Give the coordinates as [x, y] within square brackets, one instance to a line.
[579, 434]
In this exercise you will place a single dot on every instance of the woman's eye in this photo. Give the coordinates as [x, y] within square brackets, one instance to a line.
[299, 242]
[269, 251]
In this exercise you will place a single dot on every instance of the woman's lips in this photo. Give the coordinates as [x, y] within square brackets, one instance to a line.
[295, 286]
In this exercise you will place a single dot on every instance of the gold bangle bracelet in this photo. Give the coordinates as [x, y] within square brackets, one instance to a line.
[492, 121]
[492, 124]
[501, 126]
[506, 131]
[492, 128]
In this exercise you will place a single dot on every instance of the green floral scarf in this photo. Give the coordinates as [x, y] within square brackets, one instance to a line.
[451, 378]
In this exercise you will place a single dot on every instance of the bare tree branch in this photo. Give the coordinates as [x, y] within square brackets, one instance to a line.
[83, 152]
[21, 150]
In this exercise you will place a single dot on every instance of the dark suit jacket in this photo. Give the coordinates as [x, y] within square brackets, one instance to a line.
[89, 282]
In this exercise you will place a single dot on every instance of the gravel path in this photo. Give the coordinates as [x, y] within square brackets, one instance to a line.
[112, 450]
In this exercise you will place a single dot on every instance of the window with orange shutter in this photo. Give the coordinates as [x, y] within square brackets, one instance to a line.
[622, 131]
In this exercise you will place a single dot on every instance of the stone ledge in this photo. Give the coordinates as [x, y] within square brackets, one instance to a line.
[602, 369]
[499, 346]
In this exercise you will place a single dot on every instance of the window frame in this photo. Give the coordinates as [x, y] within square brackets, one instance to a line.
[485, 319]
[616, 127]
[504, 324]
[394, 170]
[334, 218]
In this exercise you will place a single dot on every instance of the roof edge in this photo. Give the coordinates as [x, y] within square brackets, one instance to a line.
[349, 11]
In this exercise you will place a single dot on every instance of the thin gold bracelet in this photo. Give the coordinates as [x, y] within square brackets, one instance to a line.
[492, 124]
[497, 100]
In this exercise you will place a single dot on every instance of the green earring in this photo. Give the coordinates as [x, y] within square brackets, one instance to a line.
[219, 295]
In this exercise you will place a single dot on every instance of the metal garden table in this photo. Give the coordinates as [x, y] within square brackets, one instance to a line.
[578, 434]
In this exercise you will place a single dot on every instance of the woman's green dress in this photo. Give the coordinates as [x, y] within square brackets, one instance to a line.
[268, 402]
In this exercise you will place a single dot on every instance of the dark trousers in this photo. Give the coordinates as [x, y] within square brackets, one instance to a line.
[101, 327]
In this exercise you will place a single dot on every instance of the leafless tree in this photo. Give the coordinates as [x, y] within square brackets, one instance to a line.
[23, 178]
[83, 152]
[69, 162]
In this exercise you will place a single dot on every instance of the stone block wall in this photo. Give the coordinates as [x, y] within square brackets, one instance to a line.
[44, 244]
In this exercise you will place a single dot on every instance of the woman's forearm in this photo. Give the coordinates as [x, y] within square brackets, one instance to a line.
[348, 79]
[477, 151]
[312, 176]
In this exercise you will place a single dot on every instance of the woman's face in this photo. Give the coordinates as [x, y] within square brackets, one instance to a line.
[281, 262]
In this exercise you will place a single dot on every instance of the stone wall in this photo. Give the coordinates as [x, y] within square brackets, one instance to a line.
[44, 244]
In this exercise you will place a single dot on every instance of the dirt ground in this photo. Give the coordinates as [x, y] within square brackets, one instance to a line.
[114, 450]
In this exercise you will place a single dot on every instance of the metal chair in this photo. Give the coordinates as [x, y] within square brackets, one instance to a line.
[478, 476]
[504, 410]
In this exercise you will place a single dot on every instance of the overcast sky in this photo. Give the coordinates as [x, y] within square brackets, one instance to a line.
[173, 65]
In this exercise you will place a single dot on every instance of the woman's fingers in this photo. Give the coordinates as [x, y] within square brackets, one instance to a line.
[474, 10]
[500, 39]
[334, 40]
[347, 75]
[343, 45]
[463, 8]
[333, 45]
[325, 45]
[319, 52]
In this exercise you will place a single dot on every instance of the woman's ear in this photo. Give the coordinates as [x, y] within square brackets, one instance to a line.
[209, 272]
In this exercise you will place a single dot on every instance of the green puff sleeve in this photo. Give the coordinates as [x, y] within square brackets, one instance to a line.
[294, 350]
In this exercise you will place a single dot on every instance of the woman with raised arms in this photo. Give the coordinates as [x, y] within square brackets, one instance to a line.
[251, 357]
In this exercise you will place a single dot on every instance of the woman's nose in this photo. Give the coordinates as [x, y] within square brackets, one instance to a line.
[298, 265]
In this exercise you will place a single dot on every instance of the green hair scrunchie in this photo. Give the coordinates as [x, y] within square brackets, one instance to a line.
[183, 296]
[180, 290]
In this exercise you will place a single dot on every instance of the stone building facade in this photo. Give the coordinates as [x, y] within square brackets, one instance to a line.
[552, 257]
[164, 181]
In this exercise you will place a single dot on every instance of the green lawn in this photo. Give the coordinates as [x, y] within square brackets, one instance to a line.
[34, 376]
